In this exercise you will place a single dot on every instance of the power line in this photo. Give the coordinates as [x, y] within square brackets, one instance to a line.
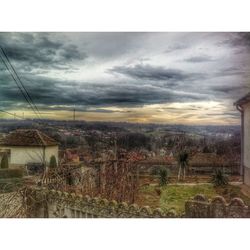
[14, 79]
[12, 114]
[22, 88]
[26, 119]
[17, 84]
[27, 93]
[24, 93]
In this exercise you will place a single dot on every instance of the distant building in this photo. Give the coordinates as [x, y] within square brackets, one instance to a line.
[26, 146]
[243, 105]
[71, 156]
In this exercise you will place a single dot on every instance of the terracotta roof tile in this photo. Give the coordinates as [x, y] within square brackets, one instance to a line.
[28, 137]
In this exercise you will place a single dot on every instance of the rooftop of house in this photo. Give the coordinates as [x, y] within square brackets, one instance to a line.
[28, 137]
[245, 99]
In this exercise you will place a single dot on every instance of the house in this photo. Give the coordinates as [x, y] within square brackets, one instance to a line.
[243, 105]
[26, 146]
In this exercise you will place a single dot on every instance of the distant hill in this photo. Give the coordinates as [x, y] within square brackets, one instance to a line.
[8, 125]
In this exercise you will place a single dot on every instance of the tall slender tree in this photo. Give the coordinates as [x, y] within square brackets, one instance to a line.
[5, 161]
[52, 163]
[183, 163]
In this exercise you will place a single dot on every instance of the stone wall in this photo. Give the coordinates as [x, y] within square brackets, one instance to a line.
[201, 207]
[44, 203]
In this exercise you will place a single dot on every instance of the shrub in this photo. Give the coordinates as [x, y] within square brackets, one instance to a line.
[5, 162]
[69, 179]
[52, 162]
[11, 173]
[163, 174]
[154, 171]
[219, 178]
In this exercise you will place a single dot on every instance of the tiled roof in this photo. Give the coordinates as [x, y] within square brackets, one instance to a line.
[243, 100]
[28, 137]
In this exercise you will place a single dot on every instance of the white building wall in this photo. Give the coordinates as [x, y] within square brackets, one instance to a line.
[23, 155]
[246, 153]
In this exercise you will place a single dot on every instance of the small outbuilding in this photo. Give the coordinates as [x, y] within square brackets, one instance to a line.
[243, 105]
[28, 146]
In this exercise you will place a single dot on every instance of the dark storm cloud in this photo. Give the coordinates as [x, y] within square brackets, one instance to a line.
[31, 50]
[226, 89]
[241, 39]
[176, 47]
[148, 72]
[198, 59]
[110, 45]
[183, 72]
[230, 71]
[230, 92]
[226, 93]
[50, 92]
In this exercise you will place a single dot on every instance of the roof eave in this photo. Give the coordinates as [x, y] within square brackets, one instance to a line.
[245, 99]
[16, 145]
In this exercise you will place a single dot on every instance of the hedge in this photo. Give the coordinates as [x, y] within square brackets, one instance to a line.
[11, 173]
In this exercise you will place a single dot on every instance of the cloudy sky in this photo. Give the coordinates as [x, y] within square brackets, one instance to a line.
[176, 78]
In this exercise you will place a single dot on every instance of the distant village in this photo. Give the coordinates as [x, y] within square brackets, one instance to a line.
[80, 144]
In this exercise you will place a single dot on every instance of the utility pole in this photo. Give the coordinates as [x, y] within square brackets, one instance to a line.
[23, 115]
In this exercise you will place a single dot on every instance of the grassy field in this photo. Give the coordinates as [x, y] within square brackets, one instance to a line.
[174, 196]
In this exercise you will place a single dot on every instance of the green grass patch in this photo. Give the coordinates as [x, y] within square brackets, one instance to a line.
[174, 197]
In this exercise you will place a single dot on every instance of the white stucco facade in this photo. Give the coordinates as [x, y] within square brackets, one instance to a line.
[246, 142]
[22, 155]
